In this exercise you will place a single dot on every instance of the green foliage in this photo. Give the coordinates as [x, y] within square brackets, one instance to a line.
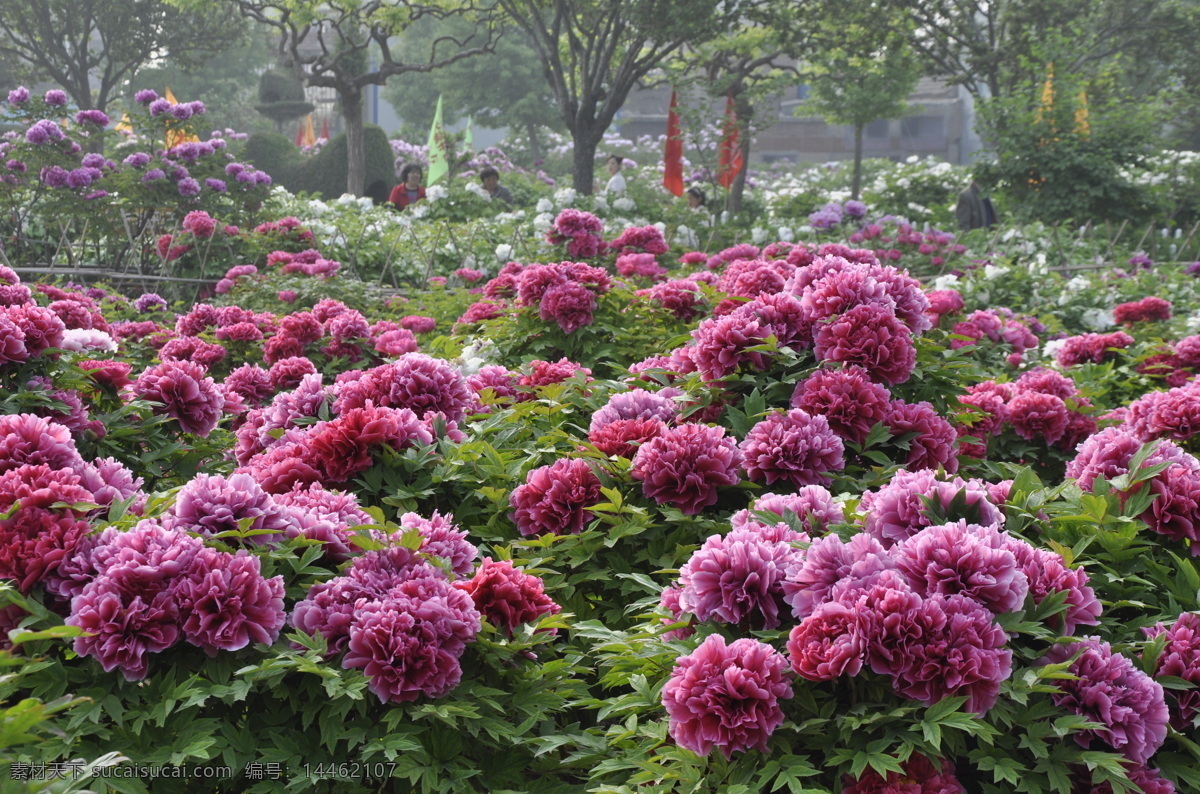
[324, 174]
[281, 97]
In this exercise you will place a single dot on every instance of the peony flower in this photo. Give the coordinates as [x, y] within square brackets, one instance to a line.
[27, 439]
[737, 579]
[792, 447]
[1180, 658]
[226, 603]
[726, 696]
[932, 441]
[569, 304]
[846, 398]
[212, 504]
[414, 381]
[966, 559]
[828, 643]
[1110, 690]
[721, 344]
[506, 597]
[409, 643]
[685, 465]
[871, 337]
[830, 561]
[184, 393]
[898, 510]
[555, 498]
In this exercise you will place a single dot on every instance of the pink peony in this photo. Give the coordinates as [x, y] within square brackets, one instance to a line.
[570, 305]
[409, 643]
[966, 559]
[932, 441]
[414, 381]
[1180, 658]
[722, 344]
[792, 447]
[555, 498]
[30, 439]
[211, 504]
[871, 337]
[830, 562]
[936, 647]
[184, 392]
[847, 398]
[828, 643]
[726, 696]
[685, 465]
[811, 506]
[898, 510]
[737, 579]
[1111, 691]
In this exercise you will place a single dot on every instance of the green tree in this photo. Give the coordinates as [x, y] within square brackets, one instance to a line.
[860, 72]
[749, 64]
[593, 52]
[990, 46]
[92, 47]
[1062, 144]
[348, 45]
[497, 89]
[222, 81]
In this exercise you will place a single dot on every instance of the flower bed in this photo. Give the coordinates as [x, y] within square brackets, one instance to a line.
[608, 515]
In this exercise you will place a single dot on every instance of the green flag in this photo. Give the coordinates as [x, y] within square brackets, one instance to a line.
[439, 154]
[468, 136]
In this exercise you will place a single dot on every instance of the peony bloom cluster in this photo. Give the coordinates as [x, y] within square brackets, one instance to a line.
[579, 231]
[565, 292]
[847, 399]
[794, 448]
[1173, 414]
[555, 498]
[1091, 348]
[1110, 690]
[398, 619]
[630, 419]
[999, 326]
[1180, 658]
[1040, 405]
[685, 465]
[1148, 309]
[151, 586]
[420, 383]
[726, 696]
[1175, 511]
[644, 239]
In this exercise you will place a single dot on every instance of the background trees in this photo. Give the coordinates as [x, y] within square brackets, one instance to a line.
[349, 45]
[593, 52]
[81, 43]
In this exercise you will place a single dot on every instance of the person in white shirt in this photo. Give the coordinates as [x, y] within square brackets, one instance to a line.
[616, 182]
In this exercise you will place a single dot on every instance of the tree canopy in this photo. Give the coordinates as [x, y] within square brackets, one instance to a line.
[77, 43]
[348, 45]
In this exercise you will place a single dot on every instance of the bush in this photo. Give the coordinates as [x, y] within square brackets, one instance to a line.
[325, 172]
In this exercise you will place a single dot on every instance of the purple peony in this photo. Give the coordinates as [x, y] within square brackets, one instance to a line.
[1110, 690]
[555, 498]
[792, 447]
[184, 392]
[685, 465]
[965, 559]
[726, 696]
[737, 579]
[227, 604]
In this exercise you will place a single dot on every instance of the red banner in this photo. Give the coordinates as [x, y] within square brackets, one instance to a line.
[730, 164]
[673, 153]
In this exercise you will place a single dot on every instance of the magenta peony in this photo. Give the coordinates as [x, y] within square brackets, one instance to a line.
[726, 696]
[794, 448]
[847, 398]
[184, 392]
[227, 604]
[684, 466]
[737, 579]
[1111, 691]
[871, 337]
[555, 498]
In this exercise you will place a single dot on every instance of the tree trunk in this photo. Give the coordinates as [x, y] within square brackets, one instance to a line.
[584, 164]
[356, 151]
[738, 189]
[745, 112]
[856, 182]
[535, 146]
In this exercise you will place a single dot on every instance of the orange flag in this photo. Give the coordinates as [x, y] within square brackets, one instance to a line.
[730, 163]
[673, 153]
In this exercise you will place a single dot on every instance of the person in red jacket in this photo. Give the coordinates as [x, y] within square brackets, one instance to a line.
[409, 190]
